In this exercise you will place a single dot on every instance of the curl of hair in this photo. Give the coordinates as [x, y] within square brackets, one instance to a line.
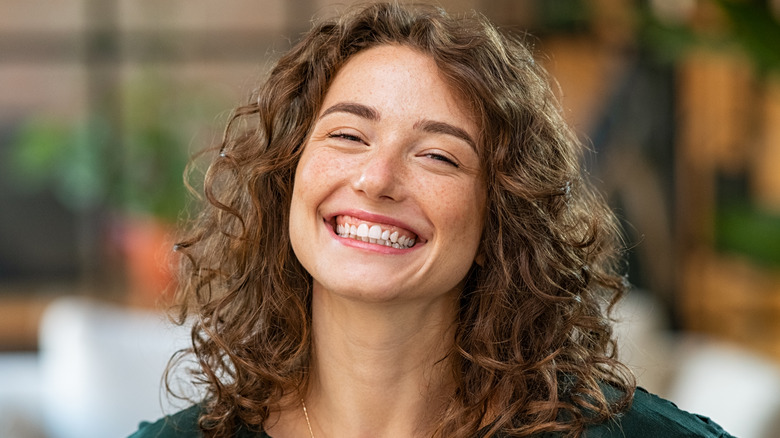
[533, 350]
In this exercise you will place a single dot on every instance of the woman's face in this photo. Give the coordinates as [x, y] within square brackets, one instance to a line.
[389, 199]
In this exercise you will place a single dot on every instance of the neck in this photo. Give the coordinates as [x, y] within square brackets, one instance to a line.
[378, 368]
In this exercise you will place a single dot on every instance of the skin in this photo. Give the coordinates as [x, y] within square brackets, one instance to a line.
[392, 146]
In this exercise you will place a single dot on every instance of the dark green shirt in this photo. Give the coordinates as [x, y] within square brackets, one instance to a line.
[649, 417]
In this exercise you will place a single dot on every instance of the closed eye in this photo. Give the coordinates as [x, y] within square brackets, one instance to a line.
[442, 158]
[345, 136]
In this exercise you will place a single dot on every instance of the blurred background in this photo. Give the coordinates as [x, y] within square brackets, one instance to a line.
[103, 102]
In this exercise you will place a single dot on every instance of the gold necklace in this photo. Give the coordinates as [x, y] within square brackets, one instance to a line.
[306, 414]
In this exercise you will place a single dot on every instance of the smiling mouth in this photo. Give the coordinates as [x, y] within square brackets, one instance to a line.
[348, 227]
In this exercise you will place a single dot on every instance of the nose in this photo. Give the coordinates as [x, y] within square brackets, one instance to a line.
[379, 176]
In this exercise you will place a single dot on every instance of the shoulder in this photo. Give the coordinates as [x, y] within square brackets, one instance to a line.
[652, 416]
[183, 424]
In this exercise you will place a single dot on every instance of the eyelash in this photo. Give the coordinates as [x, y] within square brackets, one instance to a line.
[348, 137]
[437, 157]
[442, 158]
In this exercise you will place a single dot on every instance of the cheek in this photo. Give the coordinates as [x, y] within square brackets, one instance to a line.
[463, 209]
[309, 176]
[303, 202]
[316, 176]
[319, 169]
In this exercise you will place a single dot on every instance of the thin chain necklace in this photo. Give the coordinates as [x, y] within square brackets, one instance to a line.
[306, 414]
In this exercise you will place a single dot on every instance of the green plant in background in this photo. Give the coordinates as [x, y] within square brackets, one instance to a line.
[752, 232]
[66, 158]
[155, 147]
[133, 165]
[750, 26]
[755, 27]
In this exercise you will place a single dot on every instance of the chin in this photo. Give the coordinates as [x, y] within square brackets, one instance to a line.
[363, 294]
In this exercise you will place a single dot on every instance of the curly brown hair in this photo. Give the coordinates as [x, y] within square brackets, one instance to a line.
[533, 350]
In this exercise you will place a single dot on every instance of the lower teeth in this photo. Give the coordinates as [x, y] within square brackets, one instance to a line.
[376, 241]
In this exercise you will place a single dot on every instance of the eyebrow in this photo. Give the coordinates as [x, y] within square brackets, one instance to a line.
[436, 127]
[431, 126]
[357, 109]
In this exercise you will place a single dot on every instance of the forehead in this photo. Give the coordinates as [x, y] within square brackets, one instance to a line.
[397, 78]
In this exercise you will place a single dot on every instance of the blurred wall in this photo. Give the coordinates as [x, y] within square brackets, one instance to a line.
[104, 101]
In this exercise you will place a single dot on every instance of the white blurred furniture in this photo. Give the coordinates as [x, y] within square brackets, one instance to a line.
[21, 414]
[737, 388]
[101, 367]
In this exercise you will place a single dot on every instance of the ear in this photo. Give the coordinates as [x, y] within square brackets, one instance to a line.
[479, 259]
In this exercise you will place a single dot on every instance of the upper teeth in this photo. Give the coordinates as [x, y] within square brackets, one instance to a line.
[374, 234]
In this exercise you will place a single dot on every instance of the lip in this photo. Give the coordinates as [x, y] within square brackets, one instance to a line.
[372, 217]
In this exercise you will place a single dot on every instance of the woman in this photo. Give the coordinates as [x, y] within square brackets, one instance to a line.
[398, 242]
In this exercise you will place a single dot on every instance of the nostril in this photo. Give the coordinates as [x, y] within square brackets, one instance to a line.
[378, 179]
